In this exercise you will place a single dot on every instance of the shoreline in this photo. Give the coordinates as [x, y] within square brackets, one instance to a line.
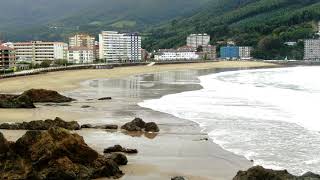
[69, 80]
[152, 162]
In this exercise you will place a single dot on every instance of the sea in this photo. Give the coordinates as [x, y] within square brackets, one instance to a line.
[270, 116]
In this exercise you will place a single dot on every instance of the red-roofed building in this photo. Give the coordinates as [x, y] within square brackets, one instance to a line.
[7, 58]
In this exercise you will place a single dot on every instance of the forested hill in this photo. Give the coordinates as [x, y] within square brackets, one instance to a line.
[264, 24]
[56, 19]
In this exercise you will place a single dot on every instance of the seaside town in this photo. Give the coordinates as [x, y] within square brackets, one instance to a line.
[159, 90]
[116, 47]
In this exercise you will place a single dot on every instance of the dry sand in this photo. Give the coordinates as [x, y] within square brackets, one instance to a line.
[68, 80]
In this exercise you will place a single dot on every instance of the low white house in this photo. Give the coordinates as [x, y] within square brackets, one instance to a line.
[81, 55]
[173, 54]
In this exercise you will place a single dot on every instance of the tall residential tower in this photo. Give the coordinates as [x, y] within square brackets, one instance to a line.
[120, 47]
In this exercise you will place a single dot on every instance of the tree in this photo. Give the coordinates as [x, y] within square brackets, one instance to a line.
[61, 62]
[45, 64]
[199, 49]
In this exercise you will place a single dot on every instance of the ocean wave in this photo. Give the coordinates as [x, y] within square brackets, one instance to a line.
[267, 115]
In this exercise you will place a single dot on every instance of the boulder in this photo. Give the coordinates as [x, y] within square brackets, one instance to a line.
[105, 98]
[178, 178]
[45, 96]
[55, 154]
[151, 127]
[139, 125]
[310, 176]
[42, 125]
[258, 172]
[135, 125]
[15, 101]
[26, 99]
[118, 158]
[118, 148]
[85, 106]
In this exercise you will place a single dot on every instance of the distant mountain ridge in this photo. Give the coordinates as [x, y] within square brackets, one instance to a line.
[54, 20]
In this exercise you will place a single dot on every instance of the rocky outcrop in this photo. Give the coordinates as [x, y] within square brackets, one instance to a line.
[106, 126]
[139, 125]
[45, 96]
[118, 158]
[28, 98]
[259, 172]
[15, 101]
[53, 154]
[118, 148]
[42, 125]
[105, 98]
[151, 127]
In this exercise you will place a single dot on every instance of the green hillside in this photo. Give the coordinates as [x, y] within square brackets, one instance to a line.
[264, 24]
[59, 18]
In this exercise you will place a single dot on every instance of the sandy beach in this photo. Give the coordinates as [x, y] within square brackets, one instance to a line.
[68, 80]
[176, 150]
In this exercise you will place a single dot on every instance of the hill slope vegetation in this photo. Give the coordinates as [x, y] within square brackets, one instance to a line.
[264, 24]
[55, 20]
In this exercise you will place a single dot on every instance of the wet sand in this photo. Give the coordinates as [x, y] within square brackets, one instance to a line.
[176, 150]
[68, 80]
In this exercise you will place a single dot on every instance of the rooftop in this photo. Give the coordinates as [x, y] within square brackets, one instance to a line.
[2, 47]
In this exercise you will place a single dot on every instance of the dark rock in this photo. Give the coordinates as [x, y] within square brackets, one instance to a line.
[135, 125]
[139, 122]
[105, 98]
[4, 146]
[178, 178]
[56, 105]
[55, 154]
[118, 148]
[85, 106]
[259, 172]
[106, 126]
[45, 96]
[310, 176]
[111, 126]
[26, 99]
[15, 101]
[84, 126]
[151, 127]
[204, 139]
[118, 158]
[41, 125]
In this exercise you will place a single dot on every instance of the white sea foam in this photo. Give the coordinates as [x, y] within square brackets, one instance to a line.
[267, 115]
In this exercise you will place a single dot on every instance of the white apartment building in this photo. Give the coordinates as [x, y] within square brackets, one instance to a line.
[245, 52]
[196, 40]
[312, 49]
[172, 54]
[82, 40]
[81, 55]
[119, 47]
[37, 51]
